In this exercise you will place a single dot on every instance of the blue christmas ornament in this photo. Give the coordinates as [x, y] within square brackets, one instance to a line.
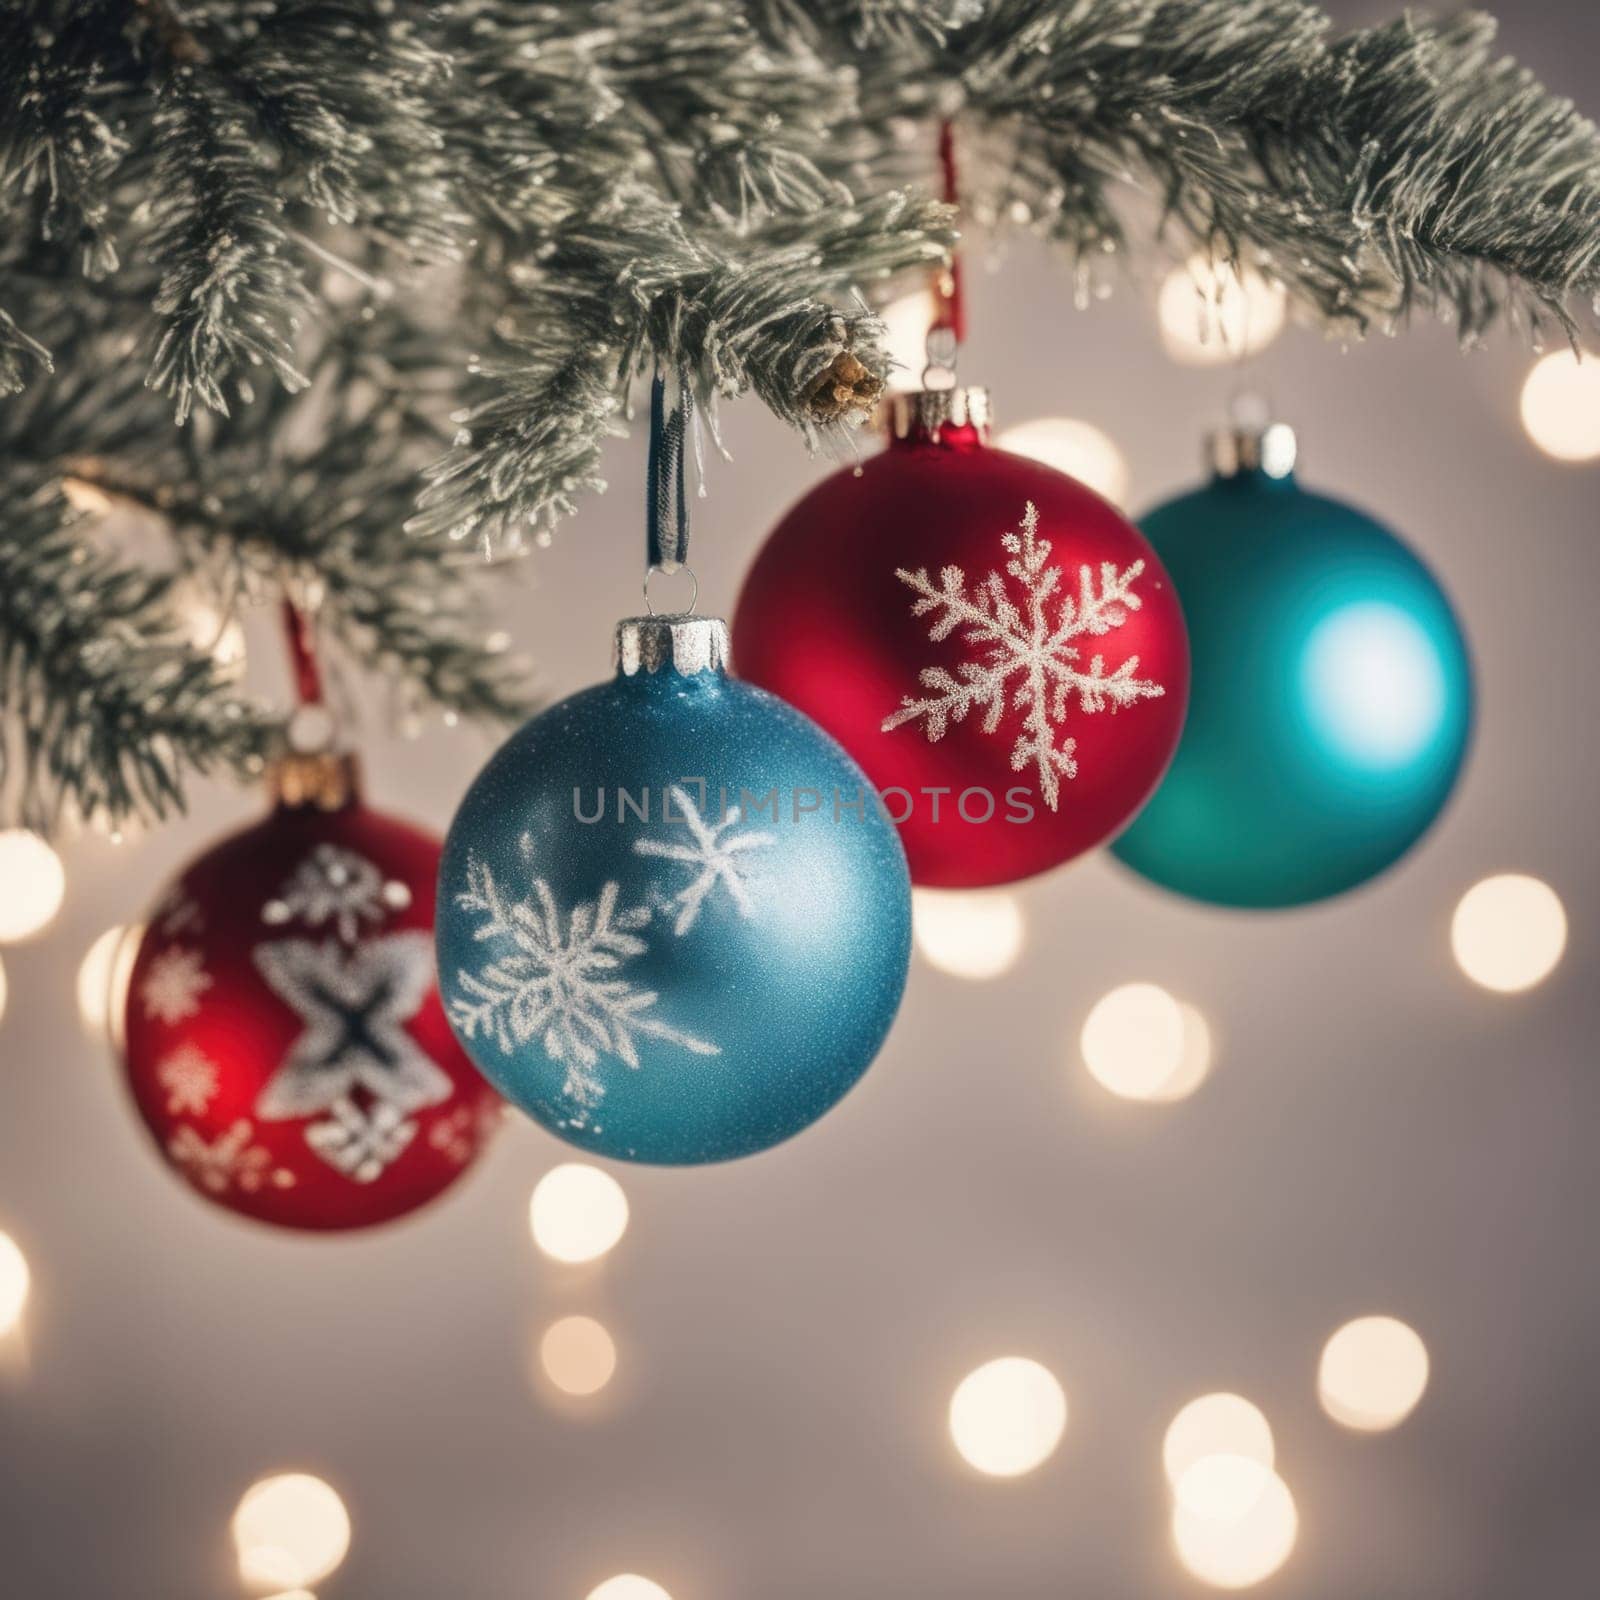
[673, 919]
[1331, 697]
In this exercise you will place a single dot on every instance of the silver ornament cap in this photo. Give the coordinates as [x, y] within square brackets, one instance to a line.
[1267, 447]
[924, 413]
[680, 640]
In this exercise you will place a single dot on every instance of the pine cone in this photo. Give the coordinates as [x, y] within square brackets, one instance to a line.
[844, 387]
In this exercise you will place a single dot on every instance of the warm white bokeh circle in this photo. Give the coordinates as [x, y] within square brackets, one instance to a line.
[1215, 1424]
[1372, 1374]
[103, 978]
[1509, 932]
[577, 1212]
[290, 1529]
[908, 320]
[1210, 315]
[1079, 449]
[628, 1586]
[578, 1355]
[1141, 1043]
[1561, 405]
[968, 934]
[32, 884]
[1238, 1552]
[1007, 1416]
[1221, 1488]
[15, 1281]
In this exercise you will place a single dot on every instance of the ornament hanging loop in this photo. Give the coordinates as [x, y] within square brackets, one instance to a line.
[688, 572]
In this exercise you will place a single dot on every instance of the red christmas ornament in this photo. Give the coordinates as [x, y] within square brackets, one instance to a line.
[996, 645]
[284, 1039]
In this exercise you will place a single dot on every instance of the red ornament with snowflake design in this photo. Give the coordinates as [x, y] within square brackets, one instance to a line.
[283, 1036]
[996, 645]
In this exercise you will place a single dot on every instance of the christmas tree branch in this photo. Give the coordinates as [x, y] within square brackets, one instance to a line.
[630, 287]
[108, 708]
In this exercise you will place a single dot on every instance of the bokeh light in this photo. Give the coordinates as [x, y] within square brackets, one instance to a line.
[1221, 1487]
[577, 1212]
[578, 1355]
[15, 1281]
[209, 627]
[1508, 932]
[103, 977]
[290, 1529]
[1215, 1424]
[1240, 1551]
[628, 1586]
[1372, 1374]
[1142, 1044]
[908, 320]
[976, 934]
[1210, 314]
[1194, 1065]
[1079, 449]
[35, 883]
[1007, 1416]
[1561, 406]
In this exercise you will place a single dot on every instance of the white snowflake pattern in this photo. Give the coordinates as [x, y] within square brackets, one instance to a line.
[354, 1005]
[338, 886]
[556, 984]
[231, 1159]
[173, 985]
[713, 857]
[189, 1076]
[362, 1144]
[1026, 643]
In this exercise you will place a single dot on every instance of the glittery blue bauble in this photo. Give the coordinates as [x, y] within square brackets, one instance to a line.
[673, 921]
[1330, 705]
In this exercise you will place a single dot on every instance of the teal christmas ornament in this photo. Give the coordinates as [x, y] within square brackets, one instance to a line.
[1331, 700]
[673, 920]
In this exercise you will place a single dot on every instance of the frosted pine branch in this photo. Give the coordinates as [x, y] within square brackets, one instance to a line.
[107, 708]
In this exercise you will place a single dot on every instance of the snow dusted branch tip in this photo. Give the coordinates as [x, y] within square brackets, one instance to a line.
[1021, 644]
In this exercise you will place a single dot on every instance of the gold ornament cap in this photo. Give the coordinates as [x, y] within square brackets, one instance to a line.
[926, 413]
[1270, 448]
[327, 780]
[686, 643]
[310, 771]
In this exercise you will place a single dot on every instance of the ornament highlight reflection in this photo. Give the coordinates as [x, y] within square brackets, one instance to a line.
[1141, 1043]
[1372, 1374]
[577, 1212]
[35, 884]
[967, 934]
[1238, 1552]
[578, 1356]
[290, 1529]
[15, 1282]
[1079, 449]
[1561, 405]
[1007, 1416]
[1509, 932]
[1373, 686]
[628, 1586]
[1211, 315]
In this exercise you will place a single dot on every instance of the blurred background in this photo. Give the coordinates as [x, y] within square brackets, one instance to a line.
[781, 1386]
